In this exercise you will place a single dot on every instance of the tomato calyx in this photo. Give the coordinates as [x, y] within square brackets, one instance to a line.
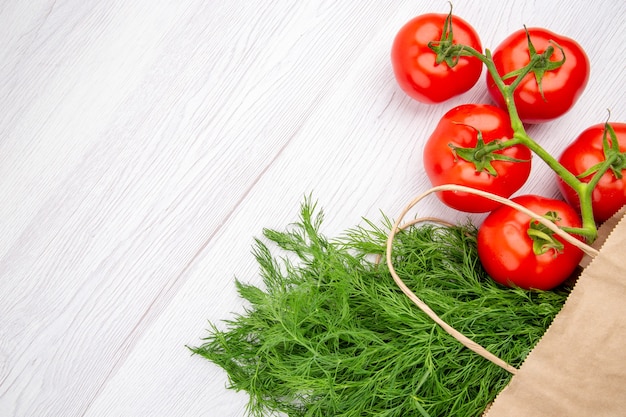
[483, 155]
[447, 51]
[543, 238]
[539, 63]
[613, 158]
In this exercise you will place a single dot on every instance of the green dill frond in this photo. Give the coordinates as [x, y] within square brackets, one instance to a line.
[332, 335]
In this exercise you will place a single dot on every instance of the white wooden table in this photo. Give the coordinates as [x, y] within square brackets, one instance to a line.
[143, 144]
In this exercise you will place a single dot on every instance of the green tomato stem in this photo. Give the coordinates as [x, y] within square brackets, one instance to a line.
[520, 136]
[584, 190]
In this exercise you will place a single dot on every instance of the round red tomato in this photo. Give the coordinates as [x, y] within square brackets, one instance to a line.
[459, 128]
[507, 252]
[415, 64]
[561, 86]
[609, 195]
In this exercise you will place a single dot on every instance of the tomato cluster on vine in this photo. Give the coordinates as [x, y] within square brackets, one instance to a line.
[533, 76]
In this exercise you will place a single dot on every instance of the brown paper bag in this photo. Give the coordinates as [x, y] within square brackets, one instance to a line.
[578, 368]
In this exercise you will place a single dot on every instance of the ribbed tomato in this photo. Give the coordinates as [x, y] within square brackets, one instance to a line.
[560, 87]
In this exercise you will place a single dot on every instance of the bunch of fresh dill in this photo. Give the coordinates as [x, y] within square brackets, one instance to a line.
[330, 334]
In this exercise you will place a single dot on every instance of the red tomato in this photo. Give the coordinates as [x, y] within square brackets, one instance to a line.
[506, 250]
[459, 127]
[609, 195]
[414, 63]
[561, 87]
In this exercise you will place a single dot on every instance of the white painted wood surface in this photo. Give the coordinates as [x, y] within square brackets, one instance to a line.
[143, 145]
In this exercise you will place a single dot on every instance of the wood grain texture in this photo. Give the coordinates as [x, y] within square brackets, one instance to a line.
[144, 144]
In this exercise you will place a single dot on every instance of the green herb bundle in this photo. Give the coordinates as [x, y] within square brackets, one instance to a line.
[330, 334]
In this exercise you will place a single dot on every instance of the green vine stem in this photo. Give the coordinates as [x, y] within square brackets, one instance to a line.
[584, 190]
